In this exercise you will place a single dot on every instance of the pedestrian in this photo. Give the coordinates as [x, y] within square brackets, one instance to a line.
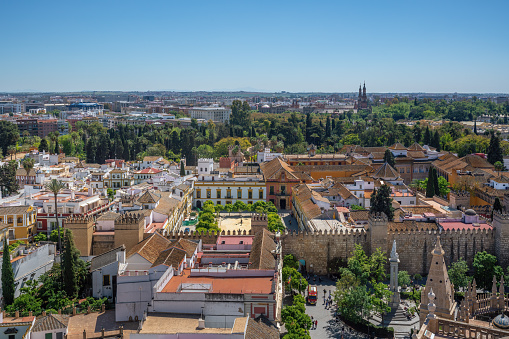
[316, 324]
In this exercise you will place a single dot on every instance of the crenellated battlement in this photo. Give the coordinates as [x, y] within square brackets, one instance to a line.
[78, 219]
[259, 217]
[461, 194]
[459, 231]
[340, 232]
[129, 218]
[500, 215]
[377, 217]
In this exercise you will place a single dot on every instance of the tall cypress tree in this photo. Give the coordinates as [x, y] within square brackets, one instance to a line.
[436, 140]
[427, 136]
[70, 259]
[475, 126]
[494, 150]
[381, 201]
[182, 169]
[328, 128]
[430, 186]
[389, 158]
[7, 276]
[497, 206]
[435, 182]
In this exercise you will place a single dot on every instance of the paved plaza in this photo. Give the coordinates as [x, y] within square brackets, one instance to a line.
[328, 327]
[235, 222]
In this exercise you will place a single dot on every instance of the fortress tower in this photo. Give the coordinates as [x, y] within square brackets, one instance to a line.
[501, 225]
[82, 229]
[129, 229]
[377, 228]
[258, 223]
[458, 199]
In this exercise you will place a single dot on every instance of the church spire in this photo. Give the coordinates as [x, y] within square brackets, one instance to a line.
[438, 280]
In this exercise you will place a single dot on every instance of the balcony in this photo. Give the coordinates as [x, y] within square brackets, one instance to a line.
[283, 194]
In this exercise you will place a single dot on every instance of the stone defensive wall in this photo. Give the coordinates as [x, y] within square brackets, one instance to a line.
[319, 248]
[206, 237]
[414, 246]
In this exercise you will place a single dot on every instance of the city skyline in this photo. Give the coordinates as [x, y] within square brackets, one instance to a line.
[271, 47]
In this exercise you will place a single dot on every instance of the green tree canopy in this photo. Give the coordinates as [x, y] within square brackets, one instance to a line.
[70, 258]
[241, 114]
[404, 278]
[381, 201]
[458, 273]
[495, 152]
[485, 267]
[9, 135]
[389, 158]
[8, 287]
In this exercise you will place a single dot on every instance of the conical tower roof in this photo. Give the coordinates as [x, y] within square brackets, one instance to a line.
[438, 280]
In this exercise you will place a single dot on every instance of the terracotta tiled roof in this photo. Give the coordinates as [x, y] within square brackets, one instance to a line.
[170, 257]
[359, 215]
[274, 168]
[375, 149]
[350, 168]
[378, 155]
[150, 247]
[182, 187]
[386, 171]
[13, 210]
[257, 329]
[261, 257]
[51, 322]
[187, 245]
[398, 146]
[167, 205]
[148, 171]
[151, 158]
[105, 259]
[476, 161]
[416, 154]
[415, 147]
[148, 198]
[303, 196]
[110, 215]
[22, 172]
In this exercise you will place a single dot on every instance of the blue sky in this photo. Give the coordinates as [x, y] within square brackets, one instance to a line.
[329, 46]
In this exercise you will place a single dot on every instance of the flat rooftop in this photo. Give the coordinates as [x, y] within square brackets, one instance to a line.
[235, 239]
[172, 323]
[233, 285]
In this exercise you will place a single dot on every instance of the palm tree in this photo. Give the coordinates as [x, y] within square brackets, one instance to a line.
[56, 186]
[11, 150]
[28, 165]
